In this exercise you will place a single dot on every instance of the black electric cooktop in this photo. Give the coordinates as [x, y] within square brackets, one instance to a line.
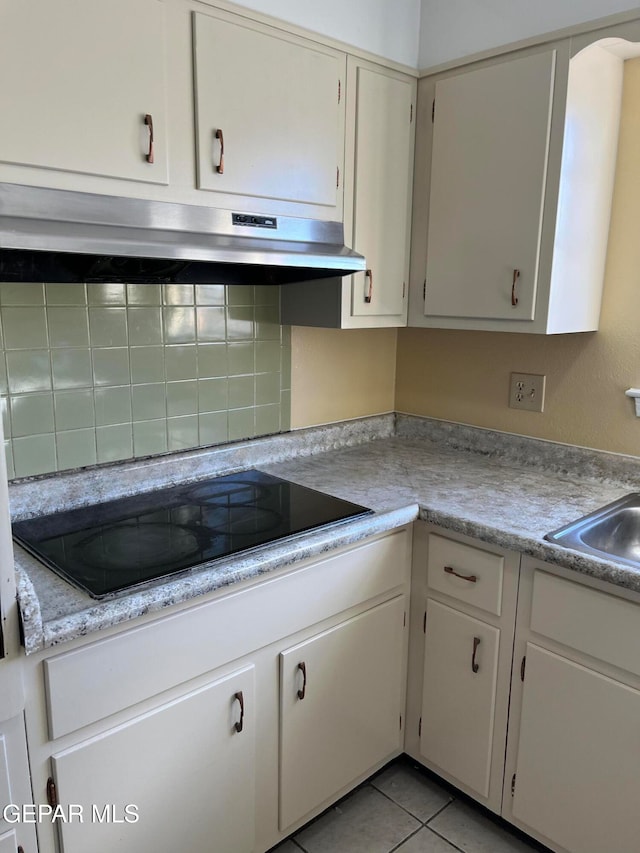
[110, 547]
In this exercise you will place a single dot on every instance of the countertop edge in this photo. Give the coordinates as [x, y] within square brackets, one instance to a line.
[39, 636]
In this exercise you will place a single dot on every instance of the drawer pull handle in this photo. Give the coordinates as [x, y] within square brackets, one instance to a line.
[514, 298]
[220, 166]
[303, 669]
[240, 724]
[450, 571]
[369, 291]
[474, 665]
[148, 120]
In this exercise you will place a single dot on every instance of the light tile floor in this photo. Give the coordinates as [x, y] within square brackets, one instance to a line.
[405, 810]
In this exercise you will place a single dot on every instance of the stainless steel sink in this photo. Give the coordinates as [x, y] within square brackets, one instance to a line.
[611, 531]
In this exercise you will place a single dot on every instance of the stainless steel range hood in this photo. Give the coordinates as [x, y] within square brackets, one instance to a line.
[55, 235]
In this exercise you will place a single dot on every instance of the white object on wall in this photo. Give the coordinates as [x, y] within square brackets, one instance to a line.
[389, 28]
[634, 393]
[451, 29]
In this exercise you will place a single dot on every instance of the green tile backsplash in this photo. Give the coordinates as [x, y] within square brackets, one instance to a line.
[101, 372]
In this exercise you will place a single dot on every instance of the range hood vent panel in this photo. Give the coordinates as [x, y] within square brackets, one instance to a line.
[59, 236]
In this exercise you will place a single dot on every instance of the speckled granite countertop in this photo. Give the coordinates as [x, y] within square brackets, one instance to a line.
[502, 489]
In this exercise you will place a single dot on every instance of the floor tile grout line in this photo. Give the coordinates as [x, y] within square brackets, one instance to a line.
[411, 814]
[408, 837]
[444, 838]
[395, 802]
[439, 812]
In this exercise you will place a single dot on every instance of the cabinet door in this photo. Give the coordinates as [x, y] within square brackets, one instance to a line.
[578, 774]
[15, 787]
[340, 706]
[458, 703]
[488, 177]
[383, 168]
[273, 101]
[8, 842]
[186, 768]
[83, 77]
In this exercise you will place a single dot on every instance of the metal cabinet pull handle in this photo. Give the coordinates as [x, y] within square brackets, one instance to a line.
[514, 298]
[451, 571]
[240, 724]
[220, 166]
[148, 120]
[52, 793]
[475, 666]
[303, 669]
[369, 291]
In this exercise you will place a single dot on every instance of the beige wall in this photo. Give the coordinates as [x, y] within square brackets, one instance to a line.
[341, 374]
[464, 376]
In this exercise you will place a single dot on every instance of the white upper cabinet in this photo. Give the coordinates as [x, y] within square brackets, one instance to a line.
[270, 118]
[79, 81]
[381, 191]
[518, 155]
[488, 179]
[378, 188]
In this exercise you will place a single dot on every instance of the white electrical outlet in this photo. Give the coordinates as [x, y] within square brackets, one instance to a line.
[526, 391]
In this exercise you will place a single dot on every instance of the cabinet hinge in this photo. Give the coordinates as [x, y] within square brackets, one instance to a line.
[424, 290]
[400, 722]
[337, 176]
[404, 620]
[424, 623]
[52, 793]
[523, 666]
[433, 111]
[420, 727]
[411, 114]
[404, 287]
[339, 90]
[513, 784]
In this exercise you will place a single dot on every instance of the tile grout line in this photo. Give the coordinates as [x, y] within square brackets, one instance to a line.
[440, 810]
[435, 831]
[408, 838]
[423, 824]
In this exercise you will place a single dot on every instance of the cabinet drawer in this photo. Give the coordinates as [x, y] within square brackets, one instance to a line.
[466, 573]
[114, 673]
[592, 622]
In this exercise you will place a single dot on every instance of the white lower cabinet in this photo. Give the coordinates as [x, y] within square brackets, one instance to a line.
[16, 834]
[524, 690]
[194, 721]
[461, 661]
[462, 615]
[573, 772]
[192, 759]
[341, 703]
[8, 842]
[577, 776]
